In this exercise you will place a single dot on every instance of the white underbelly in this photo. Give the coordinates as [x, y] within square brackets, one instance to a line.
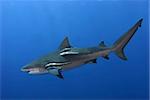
[38, 72]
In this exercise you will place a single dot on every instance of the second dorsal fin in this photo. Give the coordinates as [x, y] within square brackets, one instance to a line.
[65, 44]
[102, 44]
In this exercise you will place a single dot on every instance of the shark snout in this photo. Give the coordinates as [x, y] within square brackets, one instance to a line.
[25, 69]
[35, 70]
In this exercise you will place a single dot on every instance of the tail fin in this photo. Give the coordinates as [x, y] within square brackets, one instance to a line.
[119, 45]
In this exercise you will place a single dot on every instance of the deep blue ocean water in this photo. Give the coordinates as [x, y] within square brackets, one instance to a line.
[31, 29]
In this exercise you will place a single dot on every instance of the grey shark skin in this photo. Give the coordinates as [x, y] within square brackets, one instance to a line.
[67, 57]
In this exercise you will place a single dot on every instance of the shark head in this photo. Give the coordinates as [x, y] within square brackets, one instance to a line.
[33, 69]
[30, 69]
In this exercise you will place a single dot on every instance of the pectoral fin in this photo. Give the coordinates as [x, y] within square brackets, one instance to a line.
[55, 71]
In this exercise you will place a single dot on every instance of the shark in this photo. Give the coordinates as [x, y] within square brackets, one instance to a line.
[67, 57]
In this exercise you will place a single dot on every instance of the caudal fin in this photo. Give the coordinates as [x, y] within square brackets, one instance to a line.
[118, 46]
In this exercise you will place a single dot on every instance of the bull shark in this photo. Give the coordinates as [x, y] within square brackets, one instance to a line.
[67, 57]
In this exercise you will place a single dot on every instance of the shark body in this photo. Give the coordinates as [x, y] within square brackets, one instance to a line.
[67, 57]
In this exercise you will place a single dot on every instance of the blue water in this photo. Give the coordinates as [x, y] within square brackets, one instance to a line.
[31, 29]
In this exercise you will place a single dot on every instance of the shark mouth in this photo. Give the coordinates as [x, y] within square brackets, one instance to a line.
[34, 70]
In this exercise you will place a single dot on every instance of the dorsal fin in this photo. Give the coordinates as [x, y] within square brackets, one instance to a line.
[65, 44]
[102, 44]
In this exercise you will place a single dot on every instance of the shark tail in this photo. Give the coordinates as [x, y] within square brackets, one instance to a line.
[119, 45]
